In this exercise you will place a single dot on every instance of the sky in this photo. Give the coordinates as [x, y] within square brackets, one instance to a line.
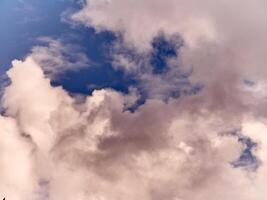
[133, 99]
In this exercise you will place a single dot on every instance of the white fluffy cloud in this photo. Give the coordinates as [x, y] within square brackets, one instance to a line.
[55, 147]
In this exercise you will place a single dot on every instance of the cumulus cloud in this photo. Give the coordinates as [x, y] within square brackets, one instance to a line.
[140, 21]
[222, 37]
[58, 147]
[221, 34]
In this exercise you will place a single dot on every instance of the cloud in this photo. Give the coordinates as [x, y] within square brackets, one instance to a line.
[18, 179]
[217, 41]
[158, 73]
[91, 147]
[215, 36]
[133, 17]
[59, 147]
[57, 56]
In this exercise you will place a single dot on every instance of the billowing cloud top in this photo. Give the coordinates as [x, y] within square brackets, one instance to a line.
[209, 143]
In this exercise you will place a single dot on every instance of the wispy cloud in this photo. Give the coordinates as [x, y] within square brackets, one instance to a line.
[56, 56]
